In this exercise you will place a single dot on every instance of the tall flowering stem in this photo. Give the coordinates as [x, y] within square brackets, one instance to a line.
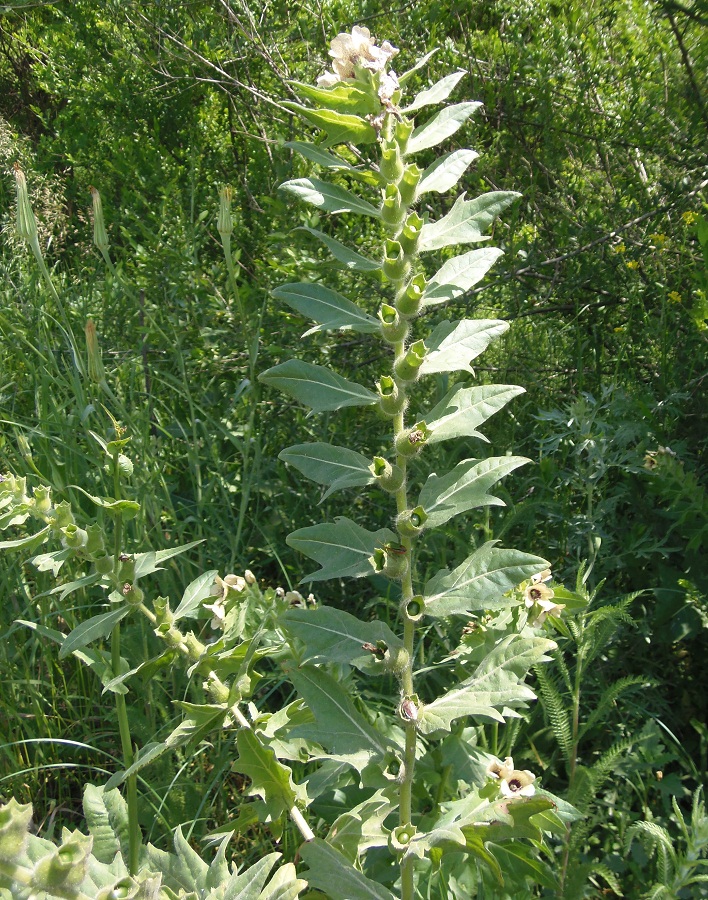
[359, 101]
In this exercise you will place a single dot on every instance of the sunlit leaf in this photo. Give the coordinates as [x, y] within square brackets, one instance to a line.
[453, 345]
[317, 387]
[446, 171]
[329, 308]
[342, 548]
[466, 222]
[336, 877]
[93, 629]
[338, 467]
[440, 91]
[340, 127]
[463, 410]
[329, 197]
[459, 274]
[441, 126]
[350, 258]
[270, 779]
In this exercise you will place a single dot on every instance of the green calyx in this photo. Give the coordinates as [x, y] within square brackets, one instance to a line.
[391, 400]
[410, 301]
[411, 522]
[411, 441]
[409, 183]
[391, 560]
[407, 368]
[395, 265]
[393, 327]
[388, 477]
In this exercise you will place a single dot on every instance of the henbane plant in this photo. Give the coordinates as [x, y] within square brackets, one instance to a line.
[408, 797]
[359, 105]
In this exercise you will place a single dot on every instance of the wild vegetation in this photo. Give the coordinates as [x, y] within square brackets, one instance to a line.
[164, 152]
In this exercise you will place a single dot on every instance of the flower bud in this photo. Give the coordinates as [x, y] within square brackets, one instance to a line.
[411, 233]
[389, 478]
[15, 820]
[249, 577]
[43, 499]
[216, 689]
[391, 162]
[392, 210]
[390, 560]
[409, 184]
[74, 537]
[63, 515]
[407, 368]
[410, 301]
[404, 129]
[412, 441]
[391, 400]
[96, 371]
[125, 465]
[171, 636]
[65, 868]
[26, 223]
[100, 237]
[395, 265]
[411, 522]
[393, 327]
[409, 708]
[225, 225]
[163, 614]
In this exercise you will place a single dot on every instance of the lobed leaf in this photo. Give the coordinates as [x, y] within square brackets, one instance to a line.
[465, 487]
[329, 308]
[342, 548]
[336, 877]
[350, 258]
[316, 386]
[270, 779]
[445, 172]
[453, 345]
[342, 97]
[339, 467]
[440, 91]
[466, 221]
[459, 274]
[441, 126]
[497, 683]
[336, 636]
[463, 409]
[341, 128]
[329, 197]
[480, 582]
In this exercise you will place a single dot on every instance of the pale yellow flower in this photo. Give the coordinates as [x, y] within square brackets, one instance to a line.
[358, 49]
[512, 782]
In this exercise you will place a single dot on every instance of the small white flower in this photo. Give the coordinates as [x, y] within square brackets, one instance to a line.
[537, 593]
[218, 612]
[388, 86]
[512, 782]
[356, 49]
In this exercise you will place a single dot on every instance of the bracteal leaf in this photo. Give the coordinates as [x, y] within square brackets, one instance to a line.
[93, 629]
[329, 308]
[270, 779]
[316, 386]
[466, 221]
[453, 345]
[342, 97]
[106, 814]
[333, 635]
[459, 274]
[342, 548]
[316, 154]
[445, 172]
[338, 467]
[463, 410]
[147, 563]
[332, 873]
[496, 684]
[31, 541]
[440, 91]
[329, 197]
[338, 725]
[402, 79]
[480, 582]
[361, 828]
[441, 126]
[350, 258]
[194, 593]
[465, 487]
[341, 128]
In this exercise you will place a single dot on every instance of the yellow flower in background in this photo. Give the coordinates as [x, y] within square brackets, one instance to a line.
[689, 217]
[675, 297]
[658, 240]
[632, 264]
[619, 248]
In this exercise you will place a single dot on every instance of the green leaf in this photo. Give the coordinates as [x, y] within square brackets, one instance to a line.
[445, 172]
[466, 221]
[106, 814]
[147, 563]
[336, 636]
[497, 683]
[329, 197]
[523, 861]
[316, 386]
[342, 97]
[441, 126]
[361, 828]
[440, 91]
[31, 541]
[342, 548]
[126, 509]
[350, 258]
[191, 730]
[463, 409]
[330, 309]
[338, 725]
[316, 154]
[270, 779]
[194, 593]
[338, 467]
[480, 582]
[93, 629]
[341, 128]
[459, 274]
[465, 487]
[249, 884]
[334, 875]
[453, 345]
[402, 79]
